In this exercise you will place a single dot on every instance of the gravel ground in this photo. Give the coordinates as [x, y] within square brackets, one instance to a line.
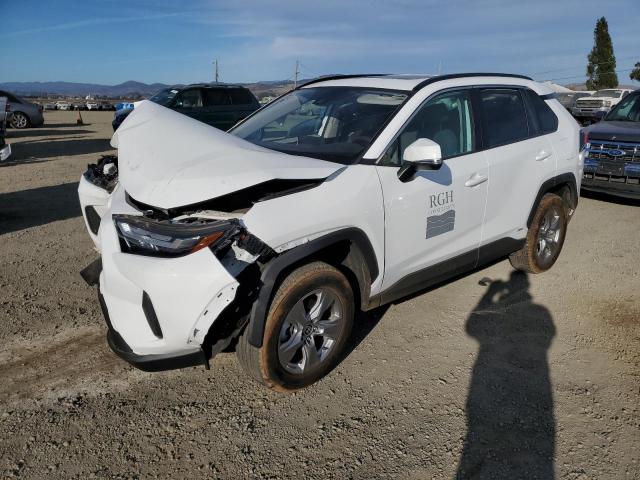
[510, 377]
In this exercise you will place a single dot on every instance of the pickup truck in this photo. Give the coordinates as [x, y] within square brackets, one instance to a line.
[595, 107]
[612, 151]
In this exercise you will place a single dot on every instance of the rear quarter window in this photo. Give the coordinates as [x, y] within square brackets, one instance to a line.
[546, 120]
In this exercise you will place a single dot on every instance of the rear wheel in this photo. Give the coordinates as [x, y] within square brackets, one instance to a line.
[19, 120]
[308, 325]
[545, 237]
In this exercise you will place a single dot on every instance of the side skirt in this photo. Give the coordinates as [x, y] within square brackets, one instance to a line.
[449, 269]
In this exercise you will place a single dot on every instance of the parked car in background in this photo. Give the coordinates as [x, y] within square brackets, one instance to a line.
[5, 149]
[568, 99]
[23, 114]
[49, 106]
[218, 105]
[121, 105]
[106, 106]
[92, 105]
[612, 153]
[596, 106]
[63, 106]
[273, 236]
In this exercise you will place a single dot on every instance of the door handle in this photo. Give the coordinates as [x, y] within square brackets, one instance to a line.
[543, 155]
[475, 179]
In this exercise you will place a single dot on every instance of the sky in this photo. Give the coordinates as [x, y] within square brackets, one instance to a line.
[112, 41]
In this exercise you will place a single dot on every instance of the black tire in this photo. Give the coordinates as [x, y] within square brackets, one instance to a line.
[544, 242]
[265, 364]
[19, 120]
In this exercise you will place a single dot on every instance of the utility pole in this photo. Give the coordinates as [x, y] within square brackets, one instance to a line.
[216, 69]
[295, 75]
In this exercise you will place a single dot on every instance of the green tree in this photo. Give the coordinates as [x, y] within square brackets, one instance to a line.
[601, 69]
[635, 73]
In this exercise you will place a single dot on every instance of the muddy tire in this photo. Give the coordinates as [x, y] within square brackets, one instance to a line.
[545, 237]
[306, 331]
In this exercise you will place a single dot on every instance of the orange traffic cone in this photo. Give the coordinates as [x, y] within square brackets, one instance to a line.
[79, 120]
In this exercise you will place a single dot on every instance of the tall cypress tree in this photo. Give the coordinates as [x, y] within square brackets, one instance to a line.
[601, 69]
[635, 73]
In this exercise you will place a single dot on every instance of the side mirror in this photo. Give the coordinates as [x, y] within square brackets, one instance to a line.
[423, 154]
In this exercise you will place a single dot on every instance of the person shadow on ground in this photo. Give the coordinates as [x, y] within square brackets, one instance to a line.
[510, 419]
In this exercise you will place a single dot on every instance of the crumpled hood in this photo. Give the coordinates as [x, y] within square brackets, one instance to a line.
[168, 160]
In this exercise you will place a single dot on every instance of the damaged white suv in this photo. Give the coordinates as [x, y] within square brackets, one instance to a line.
[344, 194]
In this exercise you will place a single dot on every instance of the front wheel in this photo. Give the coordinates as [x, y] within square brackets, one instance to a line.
[545, 237]
[19, 120]
[306, 330]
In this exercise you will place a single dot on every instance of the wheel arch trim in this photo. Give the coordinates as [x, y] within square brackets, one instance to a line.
[361, 261]
[551, 185]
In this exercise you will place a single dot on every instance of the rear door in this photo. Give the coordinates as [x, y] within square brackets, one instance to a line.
[520, 158]
[218, 111]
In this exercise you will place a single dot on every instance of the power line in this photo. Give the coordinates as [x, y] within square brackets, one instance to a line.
[581, 66]
[600, 74]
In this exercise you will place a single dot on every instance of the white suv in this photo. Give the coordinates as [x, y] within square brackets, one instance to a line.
[344, 194]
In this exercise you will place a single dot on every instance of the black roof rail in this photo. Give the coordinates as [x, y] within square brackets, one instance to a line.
[451, 76]
[340, 77]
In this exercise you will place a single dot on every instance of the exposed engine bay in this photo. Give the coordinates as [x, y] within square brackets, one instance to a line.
[104, 173]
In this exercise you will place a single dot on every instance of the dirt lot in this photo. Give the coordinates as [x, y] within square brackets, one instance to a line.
[522, 378]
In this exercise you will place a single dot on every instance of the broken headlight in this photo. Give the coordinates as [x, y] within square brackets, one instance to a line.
[172, 238]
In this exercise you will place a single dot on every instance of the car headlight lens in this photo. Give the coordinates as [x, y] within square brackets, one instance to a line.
[171, 238]
[607, 103]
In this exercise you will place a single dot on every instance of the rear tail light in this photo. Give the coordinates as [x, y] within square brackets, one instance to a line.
[7, 107]
[584, 140]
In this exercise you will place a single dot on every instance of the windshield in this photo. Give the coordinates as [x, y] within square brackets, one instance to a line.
[330, 123]
[164, 97]
[628, 110]
[608, 93]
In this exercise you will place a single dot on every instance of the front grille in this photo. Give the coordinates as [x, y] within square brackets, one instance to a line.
[589, 103]
[612, 161]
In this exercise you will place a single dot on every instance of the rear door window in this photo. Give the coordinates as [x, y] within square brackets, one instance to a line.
[215, 97]
[240, 96]
[504, 118]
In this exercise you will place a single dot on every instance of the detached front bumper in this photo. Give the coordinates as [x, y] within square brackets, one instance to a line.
[150, 363]
[94, 202]
[158, 310]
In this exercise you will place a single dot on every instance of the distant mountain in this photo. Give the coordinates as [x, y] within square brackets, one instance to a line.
[71, 88]
[123, 89]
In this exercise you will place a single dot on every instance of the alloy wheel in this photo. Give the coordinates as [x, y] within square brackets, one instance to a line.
[310, 330]
[549, 235]
[19, 120]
